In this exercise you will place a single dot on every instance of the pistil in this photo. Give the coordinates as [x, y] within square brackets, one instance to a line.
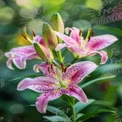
[87, 38]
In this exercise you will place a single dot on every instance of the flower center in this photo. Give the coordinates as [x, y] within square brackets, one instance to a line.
[62, 84]
[87, 38]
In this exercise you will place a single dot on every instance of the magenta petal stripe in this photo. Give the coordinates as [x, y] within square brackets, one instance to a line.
[78, 71]
[100, 42]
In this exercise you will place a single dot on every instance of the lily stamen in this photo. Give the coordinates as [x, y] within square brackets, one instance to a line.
[92, 34]
[33, 33]
[24, 36]
[63, 67]
[88, 34]
[80, 32]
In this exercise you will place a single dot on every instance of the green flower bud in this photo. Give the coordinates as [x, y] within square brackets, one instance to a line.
[49, 36]
[57, 23]
[43, 52]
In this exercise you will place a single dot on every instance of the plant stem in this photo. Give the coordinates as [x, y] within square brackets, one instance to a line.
[60, 56]
[73, 112]
[71, 102]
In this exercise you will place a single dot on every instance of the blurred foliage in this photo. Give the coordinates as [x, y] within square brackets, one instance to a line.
[16, 14]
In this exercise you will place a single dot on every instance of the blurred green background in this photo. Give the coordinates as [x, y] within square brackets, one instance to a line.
[16, 14]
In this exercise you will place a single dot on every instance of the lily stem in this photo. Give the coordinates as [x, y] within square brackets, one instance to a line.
[60, 56]
[73, 112]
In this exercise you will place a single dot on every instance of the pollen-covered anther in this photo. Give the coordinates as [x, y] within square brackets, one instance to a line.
[63, 67]
[80, 32]
[34, 34]
[24, 36]
[89, 38]
[92, 34]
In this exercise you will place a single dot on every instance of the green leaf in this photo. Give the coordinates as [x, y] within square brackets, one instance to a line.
[57, 111]
[108, 68]
[78, 116]
[79, 106]
[56, 119]
[111, 95]
[94, 113]
[95, 80]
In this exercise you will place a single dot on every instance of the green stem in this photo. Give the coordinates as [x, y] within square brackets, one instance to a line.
[71, 102]
[59, 55]
[73, 112]
[67, 99]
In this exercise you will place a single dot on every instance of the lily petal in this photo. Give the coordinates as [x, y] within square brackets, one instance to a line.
[75, 34]
[78, 71]
[39, 84]
[68, 40]
[20, 63]
[20, 55]
[60, 46]
[100, 42]
[77, 92]
[20, 51]
[36, 68]
[9, 64]
[104, 57]
[43, 100]
[47, 69]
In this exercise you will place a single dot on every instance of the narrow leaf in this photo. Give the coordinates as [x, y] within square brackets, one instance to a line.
[56, 119]
[57, 112]
[80, 106]
[94, 113]
[95, 80]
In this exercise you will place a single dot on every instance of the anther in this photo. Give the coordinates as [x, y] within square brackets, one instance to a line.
[80, 32]
[48, 69]
[89, 38]
[51, 66]
[92, 34]
[51, 69]
[63, 68]
[33, 33]
[24, 36]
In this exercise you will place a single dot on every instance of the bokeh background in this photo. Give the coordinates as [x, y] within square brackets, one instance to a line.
[96, 14]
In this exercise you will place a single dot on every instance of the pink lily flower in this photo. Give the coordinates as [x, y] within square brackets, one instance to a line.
[19, 55]
[55, 83]
[85, 47]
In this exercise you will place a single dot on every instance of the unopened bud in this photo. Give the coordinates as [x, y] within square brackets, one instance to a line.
[49, 36]
[44, 53]
[57, 23]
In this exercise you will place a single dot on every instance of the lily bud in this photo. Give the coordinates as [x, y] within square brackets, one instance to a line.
[57, 23]
[42, 50]
[49, 36]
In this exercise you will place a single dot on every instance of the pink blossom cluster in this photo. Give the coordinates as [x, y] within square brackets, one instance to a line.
[58, 79]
